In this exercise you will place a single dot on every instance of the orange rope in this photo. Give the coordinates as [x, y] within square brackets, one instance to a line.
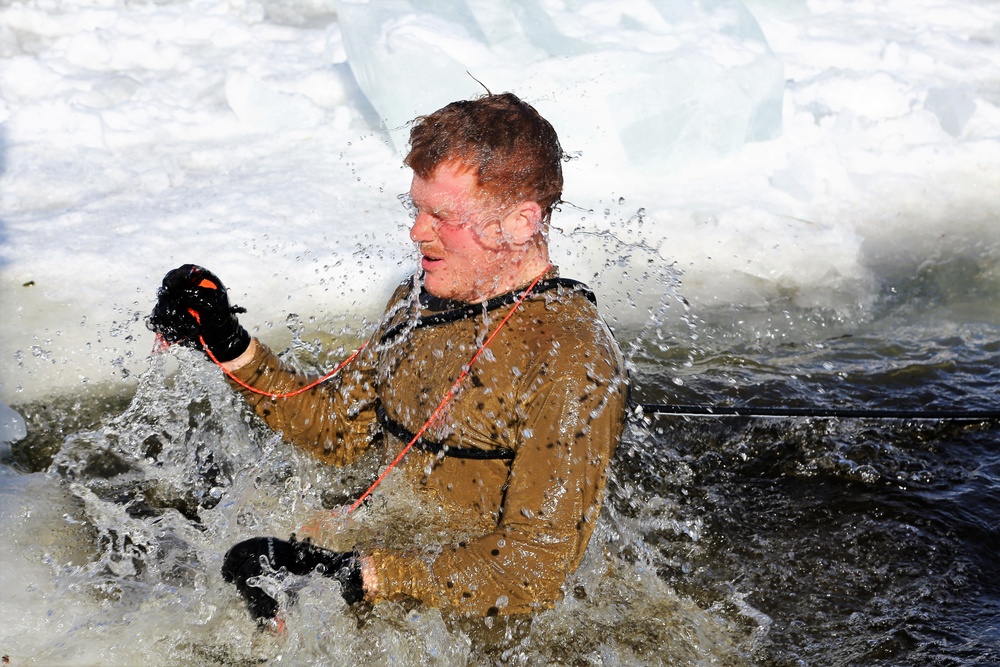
[287, 394]
[437, 411]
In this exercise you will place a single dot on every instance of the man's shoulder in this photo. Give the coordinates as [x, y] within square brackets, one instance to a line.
[566, 301]
[567, 288]
[567, 317]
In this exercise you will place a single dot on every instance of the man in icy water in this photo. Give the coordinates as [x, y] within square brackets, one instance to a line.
[517, 461]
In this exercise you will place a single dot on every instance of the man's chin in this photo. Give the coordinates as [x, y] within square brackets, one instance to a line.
[442, 289]
[436, 287]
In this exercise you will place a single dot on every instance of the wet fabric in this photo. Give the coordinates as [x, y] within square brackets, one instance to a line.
[551, 390]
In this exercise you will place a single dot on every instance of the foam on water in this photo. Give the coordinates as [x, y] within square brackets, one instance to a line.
[140, 510]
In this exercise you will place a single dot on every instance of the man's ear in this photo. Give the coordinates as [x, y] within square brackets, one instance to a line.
[522, 223]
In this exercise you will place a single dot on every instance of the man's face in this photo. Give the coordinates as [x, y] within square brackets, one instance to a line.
[458, 234]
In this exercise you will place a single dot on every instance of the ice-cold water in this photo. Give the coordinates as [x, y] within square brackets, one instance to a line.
[726, 541]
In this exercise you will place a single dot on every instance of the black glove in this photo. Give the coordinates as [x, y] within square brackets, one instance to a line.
[244, 562]
[193, 305]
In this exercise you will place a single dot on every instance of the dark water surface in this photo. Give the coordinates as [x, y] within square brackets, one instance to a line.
[865, 541]
[806, 541]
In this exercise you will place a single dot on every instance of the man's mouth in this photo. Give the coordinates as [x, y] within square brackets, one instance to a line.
[428, 259]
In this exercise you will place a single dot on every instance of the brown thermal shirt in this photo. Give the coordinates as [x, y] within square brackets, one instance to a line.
[518, 461]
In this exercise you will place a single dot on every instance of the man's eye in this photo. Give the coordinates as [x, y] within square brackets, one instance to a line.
[407, 201]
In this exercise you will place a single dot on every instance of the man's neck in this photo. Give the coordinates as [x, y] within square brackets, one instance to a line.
[516, 274]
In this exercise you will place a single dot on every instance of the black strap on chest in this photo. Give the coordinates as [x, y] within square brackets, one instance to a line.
[446, 311]
[443, 311]
[405, 435]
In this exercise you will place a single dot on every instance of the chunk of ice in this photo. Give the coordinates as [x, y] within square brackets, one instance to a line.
[12, 429]
[652, 80]
[952, 106]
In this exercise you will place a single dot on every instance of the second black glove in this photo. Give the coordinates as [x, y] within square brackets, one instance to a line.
[251, 558]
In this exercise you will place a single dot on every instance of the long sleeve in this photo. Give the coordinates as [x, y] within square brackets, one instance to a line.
[511, 476]
[334, 421]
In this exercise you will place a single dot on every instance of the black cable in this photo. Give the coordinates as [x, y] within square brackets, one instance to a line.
[846, 413]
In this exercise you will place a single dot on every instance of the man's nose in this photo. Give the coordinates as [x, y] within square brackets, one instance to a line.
[422, 230]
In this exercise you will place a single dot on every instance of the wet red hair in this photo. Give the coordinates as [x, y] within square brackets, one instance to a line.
[514, 152]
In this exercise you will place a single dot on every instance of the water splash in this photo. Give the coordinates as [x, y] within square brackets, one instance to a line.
[145, 504]
[719, 542]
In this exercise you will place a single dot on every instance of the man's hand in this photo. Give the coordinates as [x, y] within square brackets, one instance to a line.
[192, 306]
[259, 555]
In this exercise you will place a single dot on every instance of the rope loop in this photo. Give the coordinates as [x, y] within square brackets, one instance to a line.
[449, 395]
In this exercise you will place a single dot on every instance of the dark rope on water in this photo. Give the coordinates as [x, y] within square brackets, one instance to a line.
[656, 409]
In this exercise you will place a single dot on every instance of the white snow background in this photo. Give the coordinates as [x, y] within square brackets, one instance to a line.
[770, 150]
